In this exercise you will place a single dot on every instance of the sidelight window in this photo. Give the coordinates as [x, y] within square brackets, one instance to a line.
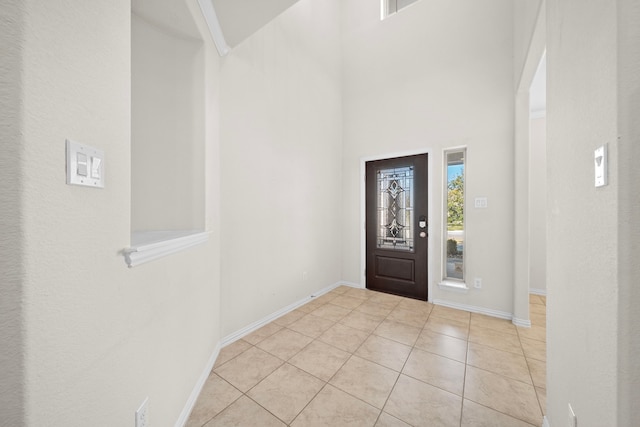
[454, 214]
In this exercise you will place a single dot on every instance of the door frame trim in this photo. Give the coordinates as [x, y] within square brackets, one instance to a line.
[363, 210]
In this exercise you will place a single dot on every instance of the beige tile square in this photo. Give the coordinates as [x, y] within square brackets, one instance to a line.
[438, 371]
[364, 322]
[488, 322]
[341, 289]
[311, 326]
[451, 313]
[495, 339]
[446, 326]
[535, 299]
[474, 415]
[290, 317]
[386, 420]
[232, 350]
[244, 412]
[285, 343]
[505, 395]
[538, 309]
[385, 352]
[542, 398]
[266, 331]
[408, 317]
[420, 404]
[358, 293]
[286, 391]
[387, 300]
[422, 307]
[216, 395]
[331, 312]
[374, 309]
[443, 345]
[535, 332]
[399, 332]
[310, 306]
[249, 368]
[500, 362]
[343, 337]
[325, 298]
[333, 407]
[534, 349]
[538, 320]
[365, 380]
[320, 359]
[347, 302]
[538, 371]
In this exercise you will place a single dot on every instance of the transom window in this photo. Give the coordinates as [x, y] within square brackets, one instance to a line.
[389, 7]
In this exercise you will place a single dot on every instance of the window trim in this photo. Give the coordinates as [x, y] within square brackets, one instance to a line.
[452, 282]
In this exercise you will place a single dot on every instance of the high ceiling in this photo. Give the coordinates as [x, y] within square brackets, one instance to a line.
[240, 18]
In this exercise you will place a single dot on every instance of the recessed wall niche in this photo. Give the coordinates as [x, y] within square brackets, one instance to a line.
[167, 123]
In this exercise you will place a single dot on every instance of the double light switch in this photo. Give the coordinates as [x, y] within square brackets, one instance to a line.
[85, 165]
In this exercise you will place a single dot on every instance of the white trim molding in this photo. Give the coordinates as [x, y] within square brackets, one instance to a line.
[541, 292]
[474, 309]
[525, 323]
[148, 246]
[211, 18]
[193, 397]
[459, 287]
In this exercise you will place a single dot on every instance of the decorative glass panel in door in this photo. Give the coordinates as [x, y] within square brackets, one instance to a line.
[395, 209]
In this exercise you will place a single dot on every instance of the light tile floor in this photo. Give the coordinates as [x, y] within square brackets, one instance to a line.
[354, 357]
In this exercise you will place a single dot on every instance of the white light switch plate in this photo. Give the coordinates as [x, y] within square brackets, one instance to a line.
[600, 163]
[85, 165]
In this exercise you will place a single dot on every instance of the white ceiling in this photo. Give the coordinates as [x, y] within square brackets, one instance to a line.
[239, 19]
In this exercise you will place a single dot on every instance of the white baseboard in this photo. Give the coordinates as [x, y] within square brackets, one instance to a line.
[487, 311]
[353, 285]
[521, 322]
[193, 397]
[474, 309]
[545, 422]
[541, 292]
[273, 316]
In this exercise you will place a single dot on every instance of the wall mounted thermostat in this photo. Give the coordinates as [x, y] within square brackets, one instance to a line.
[600, 163]
[85, 165]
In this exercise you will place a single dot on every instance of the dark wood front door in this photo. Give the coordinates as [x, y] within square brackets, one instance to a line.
[396, 226]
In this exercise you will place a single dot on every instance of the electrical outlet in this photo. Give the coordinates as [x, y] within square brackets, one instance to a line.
[305, 275]
[573, 420]
[477, 283]
[142, 414]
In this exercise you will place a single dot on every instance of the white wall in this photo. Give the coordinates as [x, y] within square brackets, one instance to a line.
[524, 20]
[583, 221]
[12, 330]
[629, 211]
[538, 205]
[436, 75]
[281, 127]
[96, 338]
[167, 150]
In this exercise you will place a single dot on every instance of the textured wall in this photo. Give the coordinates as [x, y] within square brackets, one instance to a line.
[582, 237]
[436, 75]
[281, 124]
[11, 217]
[629, 212]
[97, 337]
